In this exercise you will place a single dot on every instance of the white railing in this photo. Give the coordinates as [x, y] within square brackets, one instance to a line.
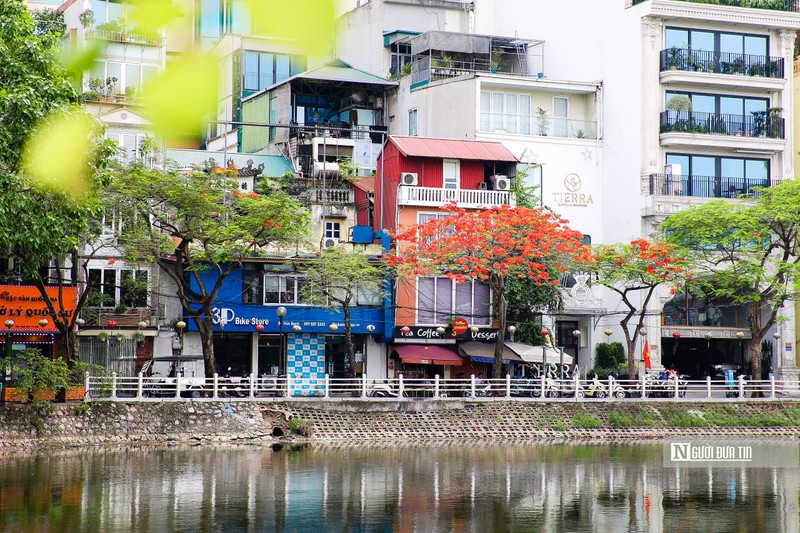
[647, 388]
[435, 197]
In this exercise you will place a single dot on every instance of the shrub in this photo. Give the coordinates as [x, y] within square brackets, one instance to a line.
[609, 356]
[560, 426]
[582, 419]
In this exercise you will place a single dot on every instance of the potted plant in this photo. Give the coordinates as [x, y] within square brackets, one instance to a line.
[674, 58]
[75, 389]
[774, 125]
[737, 66]
[41, 374]
[543, 121]
[12, 390]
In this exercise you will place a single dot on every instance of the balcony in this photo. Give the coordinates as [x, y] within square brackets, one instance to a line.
[704, 186]
[437, 197]
[721, 63]
[126, 37]
[757, 124]
[100, 316]
[538, 125]
[338, 197]
[774, 5]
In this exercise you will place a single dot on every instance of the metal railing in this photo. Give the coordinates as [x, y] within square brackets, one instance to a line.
[758, 124]
[650, 386]
[125, 37]
[99, 316]
[721, 62]
[704, 186]
[437, 196]
[775, 5]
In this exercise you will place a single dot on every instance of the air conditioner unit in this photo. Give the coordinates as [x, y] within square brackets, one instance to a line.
[409, 178]
[330, 242]
[502, 183]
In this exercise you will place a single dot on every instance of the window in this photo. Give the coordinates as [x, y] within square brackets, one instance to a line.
[129, 144]
[506, 112]
[726, 45]
[107, 10]
[283, 289]
[412, 122]
[440, 299]
[130, 77]
[112, 288]
[688, 309]
[451, 174]
[263, 69]
[560, 116]
[401, 55]
[333, 230]
[716, 177]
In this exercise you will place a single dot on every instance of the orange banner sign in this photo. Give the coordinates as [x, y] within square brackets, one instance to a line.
[26, 307]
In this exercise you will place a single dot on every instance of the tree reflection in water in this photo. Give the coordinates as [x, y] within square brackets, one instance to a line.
[521, 488]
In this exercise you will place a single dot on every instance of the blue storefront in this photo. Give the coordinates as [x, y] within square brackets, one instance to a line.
[308, 341]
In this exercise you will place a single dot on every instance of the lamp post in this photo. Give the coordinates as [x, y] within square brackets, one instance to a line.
[9, 341]
[777, 336]
[577, 334]
[511, 330]
[281, 312]
[608, 332]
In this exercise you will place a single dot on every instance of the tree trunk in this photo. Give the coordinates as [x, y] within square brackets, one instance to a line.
[631, 358]
[754, 319]
[497, 366]
[205, 326]
[348, 340]
[71, 341]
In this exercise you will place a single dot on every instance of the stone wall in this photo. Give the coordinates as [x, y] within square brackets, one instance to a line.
[386, 422]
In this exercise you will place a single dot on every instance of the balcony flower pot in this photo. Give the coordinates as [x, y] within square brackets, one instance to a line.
[72, 394]
[45, 394]
[14, 394]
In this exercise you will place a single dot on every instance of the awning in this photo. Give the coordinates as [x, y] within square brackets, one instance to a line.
[482, 352]
[538, 354]
[427, 354]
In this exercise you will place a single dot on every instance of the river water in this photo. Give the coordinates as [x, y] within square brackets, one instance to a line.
[519, 488]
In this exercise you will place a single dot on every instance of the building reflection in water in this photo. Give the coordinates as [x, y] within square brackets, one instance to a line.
[526, 488]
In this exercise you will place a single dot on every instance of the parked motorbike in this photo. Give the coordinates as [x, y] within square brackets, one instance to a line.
[384, 389]
[662, 385]
[234, 384]
[599, 389]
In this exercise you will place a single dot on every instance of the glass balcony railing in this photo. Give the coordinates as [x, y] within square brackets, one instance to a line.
[775, 5]
[757, 124]
[541, 126]
[721, 63]
[705, 186]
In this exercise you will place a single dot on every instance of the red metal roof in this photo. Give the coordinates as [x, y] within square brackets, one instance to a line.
[452, 149]
[365, 184]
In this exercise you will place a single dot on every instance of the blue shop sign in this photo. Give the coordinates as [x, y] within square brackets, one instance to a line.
[246, 318]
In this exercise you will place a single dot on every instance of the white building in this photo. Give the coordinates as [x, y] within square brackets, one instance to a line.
[589, 101]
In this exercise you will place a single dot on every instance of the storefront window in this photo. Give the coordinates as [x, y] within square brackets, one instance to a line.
[687, 309]
[439, 299]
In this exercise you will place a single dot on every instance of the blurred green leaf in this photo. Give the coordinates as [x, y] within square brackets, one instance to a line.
[310, 22]
[58, 155]
[183, 96]
[155, 14]
[79, 61]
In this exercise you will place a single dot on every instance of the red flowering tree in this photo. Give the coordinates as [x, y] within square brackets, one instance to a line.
[634, 271]
[492, 246]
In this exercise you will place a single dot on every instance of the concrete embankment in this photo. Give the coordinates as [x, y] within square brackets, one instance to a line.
[382, 423]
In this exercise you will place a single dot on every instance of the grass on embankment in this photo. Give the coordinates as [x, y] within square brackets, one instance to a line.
[682, 416]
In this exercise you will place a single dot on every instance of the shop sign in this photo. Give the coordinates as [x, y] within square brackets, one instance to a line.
[700, 333]
[26, 306]
[460, 326]
[431, 334]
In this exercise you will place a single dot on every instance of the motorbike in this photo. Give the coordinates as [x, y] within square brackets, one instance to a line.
[662, 385]
[234, 384]
[599, 389]
[384, 389]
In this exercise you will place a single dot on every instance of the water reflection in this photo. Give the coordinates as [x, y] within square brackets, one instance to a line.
[523, 488]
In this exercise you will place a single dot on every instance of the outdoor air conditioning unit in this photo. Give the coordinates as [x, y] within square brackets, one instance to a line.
[409, 178]
[502, 183]
[330, 242]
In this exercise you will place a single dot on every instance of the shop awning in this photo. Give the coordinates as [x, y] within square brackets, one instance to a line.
[482, 352]
[538, 354]
[427, 354]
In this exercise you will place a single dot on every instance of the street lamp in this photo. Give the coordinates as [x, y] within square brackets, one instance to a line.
[9, 342]
[577, 334]
[608, 332]
[181, 325]
[511, 330]
[281, 312]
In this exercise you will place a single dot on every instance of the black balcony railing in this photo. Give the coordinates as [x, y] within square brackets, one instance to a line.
[774, 5]
[705, 186]
[757, 124]
[721, 62]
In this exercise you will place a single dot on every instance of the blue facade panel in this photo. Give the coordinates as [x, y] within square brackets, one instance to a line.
[233, 316]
